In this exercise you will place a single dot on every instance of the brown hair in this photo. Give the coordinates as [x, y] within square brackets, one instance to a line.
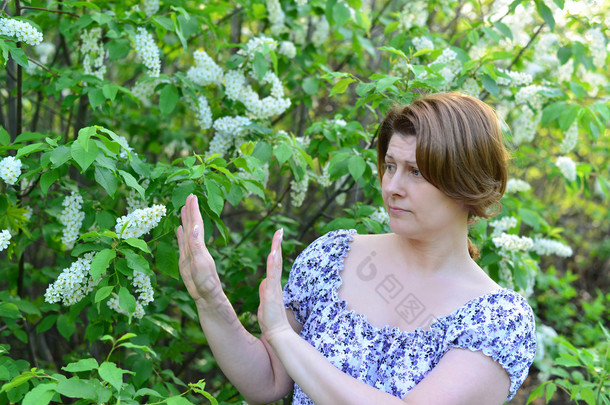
[459, 149]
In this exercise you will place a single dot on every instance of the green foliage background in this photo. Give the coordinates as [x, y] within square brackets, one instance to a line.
[78, 132]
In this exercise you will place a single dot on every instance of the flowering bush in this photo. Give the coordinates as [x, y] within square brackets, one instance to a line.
[267, 111]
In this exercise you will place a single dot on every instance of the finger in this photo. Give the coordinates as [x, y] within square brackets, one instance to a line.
[274, 260]
[196, 219]
[180, 237]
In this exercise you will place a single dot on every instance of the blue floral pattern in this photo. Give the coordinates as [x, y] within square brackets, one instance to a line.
[500, 324]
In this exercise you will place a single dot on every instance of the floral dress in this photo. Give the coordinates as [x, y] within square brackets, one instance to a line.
[500, 324]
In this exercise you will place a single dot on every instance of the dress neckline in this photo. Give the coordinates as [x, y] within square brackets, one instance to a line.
[394, 330]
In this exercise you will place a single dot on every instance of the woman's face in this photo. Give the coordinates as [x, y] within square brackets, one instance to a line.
[417, 209]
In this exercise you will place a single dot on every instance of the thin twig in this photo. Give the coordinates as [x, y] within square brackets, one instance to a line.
[50, 11]
[42, 66]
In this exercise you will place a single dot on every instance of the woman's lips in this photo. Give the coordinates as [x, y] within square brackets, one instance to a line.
[396, 210]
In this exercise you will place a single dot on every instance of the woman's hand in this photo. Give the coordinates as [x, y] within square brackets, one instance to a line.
[271, 312]
[197, 266]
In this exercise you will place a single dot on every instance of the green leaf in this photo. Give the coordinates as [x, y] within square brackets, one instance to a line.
[29, 149]
[133, 183]
[96, 98]
[76, 388]
[136, 261]
[103, 293]
[47, 179]
[83, 136]
[65, 326]
[117, 49]
[126, 336]
[176, 400]
[546, 13]
[60, 155]
[19, 56]
[106, 178]
[46, 323]
[82, 157]
[168, 99]
[356, 166]
[126, 300]
[282, 152]
[181, 192]
[9, 310]
[549, 391]
[138, 243]
[112, 374]
[81, 365]
[341, 13]
[5, 138]
[166, 259]
[490, 85]
[341, 85]
[215, 197]
[101, 261]
[110, 91]
[504, 29]
[40, 394]
[310, 86]
[532, 218]
[260, 65]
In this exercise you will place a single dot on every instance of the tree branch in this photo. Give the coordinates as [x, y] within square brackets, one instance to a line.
[50, 11]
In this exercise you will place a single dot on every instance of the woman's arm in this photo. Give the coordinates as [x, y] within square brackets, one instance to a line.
[248, 362]
[462, 377]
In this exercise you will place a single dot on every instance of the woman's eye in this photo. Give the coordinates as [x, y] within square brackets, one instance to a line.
[388, 167]
[416, 172]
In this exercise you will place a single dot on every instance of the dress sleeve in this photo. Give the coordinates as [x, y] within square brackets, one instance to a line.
[309, 276]
[503, 327]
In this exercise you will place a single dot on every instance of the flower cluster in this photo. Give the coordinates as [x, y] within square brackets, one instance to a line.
[145, 292]
[503, 224]
[10, 170]
[135, 200]
[140, 221]
[324, 177]
[507, 241]
[471, 88]
[228, 131]
[320, 34]
[298, 190]
[148, 52]
[123, 153]
[567, 167]
[143, 91]
[5, 239]
[72, 218]
[274, 104]
[381, 216]
[517, 185]
[570, 139]
[22, 30]
[414, 13]
[203, 113]
[530, 94]
[92, 48]
[276, 16]
[597, 46]
[422, 43]
[258, 44]
[452, 64]
[287, 49]
[205, 71]
[73, 283]
[545, 247]
[516, 78]
[524, 127]
[150, 7]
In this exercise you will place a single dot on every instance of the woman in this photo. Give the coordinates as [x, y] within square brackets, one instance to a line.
[406, 317]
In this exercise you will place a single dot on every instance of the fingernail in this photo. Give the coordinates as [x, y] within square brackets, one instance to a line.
[196, 231]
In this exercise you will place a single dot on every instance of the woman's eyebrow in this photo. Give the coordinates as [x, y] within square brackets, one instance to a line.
[406, 161]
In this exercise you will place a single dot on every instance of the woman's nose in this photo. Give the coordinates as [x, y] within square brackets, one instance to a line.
[396, 184]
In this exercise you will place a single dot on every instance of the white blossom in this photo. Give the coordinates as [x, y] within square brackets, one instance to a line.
[471, 88]
[148, 52]
[517, 185]
[515, 79]
[93, 53]
[453, 65]
[274, 104]
[320, 34]
[234, 82]
[150, 7]
[524, 127]
[276, 16]
[567, 167]
[140, 221]
[298, 190]
[530, 94]
[22, 30]
[506, 276]
[381, 216]
[414, 13]
[71, 218]
[134, 198]
[570, 139]
[503, 224]
[287, 49]
[203, 113]
[74, 282]
[545, 247]
[5, 238]
[228, 131]
[143, 91]
[324, 177]
[123, 153]
[422, 43]
[10, 169]
[113, 303]
[507, 241]
[597, 46]
[205, 71]
[258, 44]
[44, 51]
